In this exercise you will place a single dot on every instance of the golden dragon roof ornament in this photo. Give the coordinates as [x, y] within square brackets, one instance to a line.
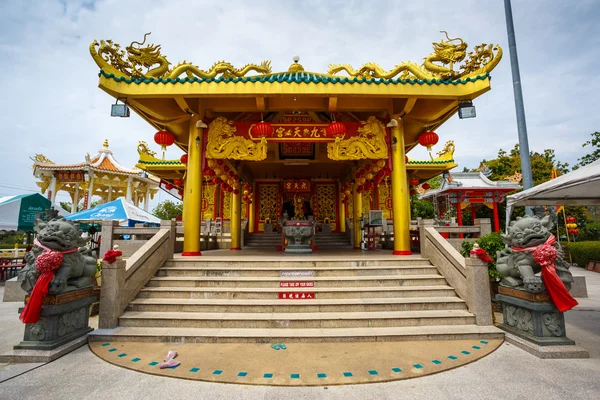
[438, 65]
[129, 63]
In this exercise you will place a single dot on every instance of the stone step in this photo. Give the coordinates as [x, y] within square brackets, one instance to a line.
[267, 271]
[294, 262]
[278, 335]
[296, 320]
[302, 306]
[272, 293]
[319, 282]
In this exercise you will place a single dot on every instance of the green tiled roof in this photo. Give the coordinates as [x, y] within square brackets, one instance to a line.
[299, 77]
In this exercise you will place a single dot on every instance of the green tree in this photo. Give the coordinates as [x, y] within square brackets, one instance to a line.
[168, 209]
[421, 208]
[594, 143]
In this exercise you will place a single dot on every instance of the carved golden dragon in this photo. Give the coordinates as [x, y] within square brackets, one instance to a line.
[224, 143]
[128, 63]
[481, 61]
[370, 143]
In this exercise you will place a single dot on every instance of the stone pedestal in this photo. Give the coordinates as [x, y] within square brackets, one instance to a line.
[533, 317]
[64, 317]
[299, 235]
[326, 228]
[268, 228]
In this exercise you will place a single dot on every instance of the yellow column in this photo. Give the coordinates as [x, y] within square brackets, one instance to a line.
[192, 205]
[342, 213]
[400, 194]
[252, 209]
[236, 208]
[357, 208]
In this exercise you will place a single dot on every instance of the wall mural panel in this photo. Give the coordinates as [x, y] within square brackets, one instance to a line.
[208, 201]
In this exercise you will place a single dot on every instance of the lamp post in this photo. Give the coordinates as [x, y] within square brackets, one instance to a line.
[520, 109]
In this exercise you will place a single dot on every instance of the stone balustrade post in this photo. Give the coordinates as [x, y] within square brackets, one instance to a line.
[113, 284]
[106, 242]
[424, 223]
[478, 289]
[485, 224]
[172, 226]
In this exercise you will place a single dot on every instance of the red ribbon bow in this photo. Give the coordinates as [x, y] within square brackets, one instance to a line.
[545, 255]
[483, 256]
[111, 256]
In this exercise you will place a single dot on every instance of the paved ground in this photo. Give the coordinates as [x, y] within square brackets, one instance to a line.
[508, 373]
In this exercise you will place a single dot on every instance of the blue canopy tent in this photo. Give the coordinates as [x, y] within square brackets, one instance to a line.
[118, 210]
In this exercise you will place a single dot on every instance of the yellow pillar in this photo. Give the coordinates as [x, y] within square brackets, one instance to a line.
[236, 228]
[357, 208]
[192, 205]
[342, 213]
[400, 194]
[251, 211]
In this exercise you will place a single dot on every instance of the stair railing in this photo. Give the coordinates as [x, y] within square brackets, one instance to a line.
[468, 276]
[123, 280]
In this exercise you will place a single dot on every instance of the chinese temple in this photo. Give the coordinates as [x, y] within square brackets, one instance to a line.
[260, 145]
[471, 190]
[100, 175]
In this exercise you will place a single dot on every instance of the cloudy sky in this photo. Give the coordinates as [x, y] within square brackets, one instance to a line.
[50, 103]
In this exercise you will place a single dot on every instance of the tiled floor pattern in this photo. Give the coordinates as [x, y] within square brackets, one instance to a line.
[302, 364]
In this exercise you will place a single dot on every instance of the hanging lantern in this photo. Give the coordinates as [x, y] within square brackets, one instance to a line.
[335, 129]
[211, 163]
[236, 191]
[180, 192]
[226, 168]
[570, 220]
[178, 182]
[217, 180]
[231, 174]
[405, 159]
[262, 129]
[428, 139]
[219, 162]
[362, 181]
[376, 169]
[184, 159]
[164, 139]
[426, 186]
[246, 186]
[369, 176]
[413, 192]
[169, 186]
[414, 182]
[224, 177]
[381, 163]
[347, 193]
[368, 167]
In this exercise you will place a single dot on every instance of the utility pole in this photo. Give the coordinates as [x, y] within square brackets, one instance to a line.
[521, 123]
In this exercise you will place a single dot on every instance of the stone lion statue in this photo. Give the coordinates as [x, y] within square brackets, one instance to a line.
[77, 268]
[518, 269]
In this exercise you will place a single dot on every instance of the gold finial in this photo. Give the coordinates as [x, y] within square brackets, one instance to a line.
[105, 144]
[295, 67]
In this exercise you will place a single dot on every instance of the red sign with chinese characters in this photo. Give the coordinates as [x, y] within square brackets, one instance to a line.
[296, 185]
[297, 132]
[290, 284]
[297, 295]
[69, 176]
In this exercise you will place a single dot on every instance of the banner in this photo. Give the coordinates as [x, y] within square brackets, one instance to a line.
[296, 185]
[69, 176]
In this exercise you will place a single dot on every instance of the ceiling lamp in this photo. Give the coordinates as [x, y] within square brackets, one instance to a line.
[466, 110]
[428, 139]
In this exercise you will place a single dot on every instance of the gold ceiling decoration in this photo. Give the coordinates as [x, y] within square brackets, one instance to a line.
[224, 143]
[370, 143]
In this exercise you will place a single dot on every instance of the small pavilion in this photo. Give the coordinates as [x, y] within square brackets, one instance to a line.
[100, 175]
[472, 190]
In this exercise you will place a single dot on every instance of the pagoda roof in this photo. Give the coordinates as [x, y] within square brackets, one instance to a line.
[471, 181]
[103, 161]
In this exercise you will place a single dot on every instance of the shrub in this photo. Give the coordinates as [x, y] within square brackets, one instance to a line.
[491, 243]
[582, 252]
[591, 231]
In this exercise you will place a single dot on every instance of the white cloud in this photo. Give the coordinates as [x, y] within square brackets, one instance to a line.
[50, 102]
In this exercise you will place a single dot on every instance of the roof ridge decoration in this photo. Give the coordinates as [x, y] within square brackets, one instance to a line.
[128, 63]
[482, 60]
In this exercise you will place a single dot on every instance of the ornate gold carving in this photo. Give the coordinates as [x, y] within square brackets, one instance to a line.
[129, 63]
[326, 202]
[366, 201]
[370, 143]
[223, 143]
[515, 178]
[268, 202]
[42, 159]
[226, 205]
[438, 65]
[144, 149]
[447, 153]
[208, 202]
[385, 201]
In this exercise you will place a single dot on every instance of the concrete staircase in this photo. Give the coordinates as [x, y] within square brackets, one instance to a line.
[325, 241]
[355, 300]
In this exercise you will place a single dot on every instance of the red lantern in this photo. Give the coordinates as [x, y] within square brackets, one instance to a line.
[164, 139]
[414, 182]
[178, 182]
[428, 139]
[168, 186]
[226, 168]
[368, 167]
[335, 129]
[575, 231]
[570, 220]
[180, 192]
[215, 181]
[426, 186]
[413, 192]
[236, 191]
[246, 186]
[262, 129]
[219, 162]
[405, 159]
[184, 159]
